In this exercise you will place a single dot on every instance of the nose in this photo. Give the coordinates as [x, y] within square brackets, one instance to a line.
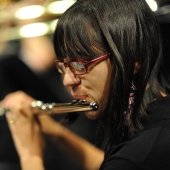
[69, 78]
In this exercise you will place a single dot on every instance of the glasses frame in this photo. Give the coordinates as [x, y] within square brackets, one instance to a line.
[85, 63]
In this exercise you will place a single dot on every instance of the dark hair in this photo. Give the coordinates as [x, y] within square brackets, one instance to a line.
[127, 29]
[162, 81]
[164, 72]
[160, 84]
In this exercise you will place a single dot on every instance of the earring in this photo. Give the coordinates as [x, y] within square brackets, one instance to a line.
[131, 98]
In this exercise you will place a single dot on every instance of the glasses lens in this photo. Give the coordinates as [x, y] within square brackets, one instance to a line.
[78, 67]
[60, 67]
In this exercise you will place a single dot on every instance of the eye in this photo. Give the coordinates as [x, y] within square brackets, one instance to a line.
[60, 67]
[78, 67]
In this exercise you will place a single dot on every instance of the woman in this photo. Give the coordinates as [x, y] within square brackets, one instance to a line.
[107, 51]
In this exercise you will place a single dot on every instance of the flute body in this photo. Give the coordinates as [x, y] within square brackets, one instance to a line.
[59, 108]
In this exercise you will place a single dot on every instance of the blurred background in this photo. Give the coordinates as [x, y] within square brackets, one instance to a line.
[30, 18]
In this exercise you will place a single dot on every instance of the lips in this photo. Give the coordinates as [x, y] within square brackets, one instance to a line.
[81, 97]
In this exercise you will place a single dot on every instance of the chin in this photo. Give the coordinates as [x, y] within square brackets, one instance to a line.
[92, 115]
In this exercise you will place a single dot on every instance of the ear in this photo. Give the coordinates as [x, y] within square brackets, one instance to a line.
[137, 67]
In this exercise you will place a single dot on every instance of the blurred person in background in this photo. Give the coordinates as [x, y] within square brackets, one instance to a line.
[29, 68]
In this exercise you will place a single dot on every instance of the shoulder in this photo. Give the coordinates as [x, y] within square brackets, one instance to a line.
[8, 60]
[11, 64]
[150, 149]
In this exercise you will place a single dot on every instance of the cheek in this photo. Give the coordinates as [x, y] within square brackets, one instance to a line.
[101, 84]
[99, 81]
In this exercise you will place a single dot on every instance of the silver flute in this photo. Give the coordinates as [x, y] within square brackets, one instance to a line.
[59, 108]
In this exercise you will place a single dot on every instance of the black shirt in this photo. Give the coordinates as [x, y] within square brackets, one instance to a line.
[150, 149]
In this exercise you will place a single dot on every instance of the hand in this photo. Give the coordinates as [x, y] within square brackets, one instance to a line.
[24, 126]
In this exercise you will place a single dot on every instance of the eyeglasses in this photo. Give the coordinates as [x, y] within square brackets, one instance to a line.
[79, 67]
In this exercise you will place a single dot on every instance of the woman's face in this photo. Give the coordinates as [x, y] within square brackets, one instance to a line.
[89, 86]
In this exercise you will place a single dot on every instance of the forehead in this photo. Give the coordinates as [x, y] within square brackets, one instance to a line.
[74, 48]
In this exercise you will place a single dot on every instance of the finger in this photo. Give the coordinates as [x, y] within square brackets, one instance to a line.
[17, 98]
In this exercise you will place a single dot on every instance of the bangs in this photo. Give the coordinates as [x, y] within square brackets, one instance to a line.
[75, 37]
